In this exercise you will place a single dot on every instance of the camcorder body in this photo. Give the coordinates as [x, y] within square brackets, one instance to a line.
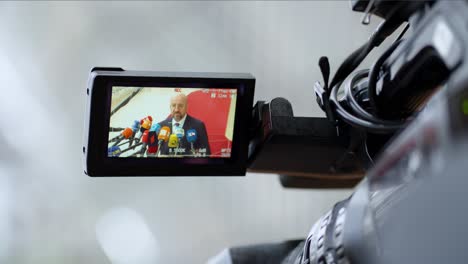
[409, 207]
[130, 130]
[398, 130]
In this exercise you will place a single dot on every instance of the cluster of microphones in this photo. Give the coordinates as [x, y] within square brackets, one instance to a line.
[146, 138]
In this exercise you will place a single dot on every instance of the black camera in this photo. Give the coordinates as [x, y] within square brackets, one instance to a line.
[195, 124]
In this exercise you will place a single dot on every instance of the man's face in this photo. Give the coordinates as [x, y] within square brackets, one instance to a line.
[178, 107]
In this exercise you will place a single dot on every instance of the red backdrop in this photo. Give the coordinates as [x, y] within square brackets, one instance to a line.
[214, 113]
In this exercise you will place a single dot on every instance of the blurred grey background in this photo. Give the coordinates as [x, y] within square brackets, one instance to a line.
[50, 212]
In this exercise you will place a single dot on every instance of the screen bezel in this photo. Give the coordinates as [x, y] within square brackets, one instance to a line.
[99, 164]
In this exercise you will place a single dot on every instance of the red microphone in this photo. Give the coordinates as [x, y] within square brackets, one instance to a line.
[152, 144]
[144, 140]
[152, 150]
[152, 138]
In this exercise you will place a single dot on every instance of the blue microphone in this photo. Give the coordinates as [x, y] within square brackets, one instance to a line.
[155, 128]
[191, 135]
[153, 134]
[135, 128]
[113, 151]
[179, 132]
[191, 138]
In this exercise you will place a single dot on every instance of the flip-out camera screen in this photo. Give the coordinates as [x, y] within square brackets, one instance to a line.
[168, 122]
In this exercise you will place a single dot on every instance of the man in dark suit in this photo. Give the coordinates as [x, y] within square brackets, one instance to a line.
[180, 119]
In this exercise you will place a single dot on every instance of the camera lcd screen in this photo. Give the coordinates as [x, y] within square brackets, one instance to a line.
[141, 123]
[171, 122]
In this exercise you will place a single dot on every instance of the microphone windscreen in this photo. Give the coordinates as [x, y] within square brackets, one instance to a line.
[136, 125]
[152, 139]
[191, 135]
[173, 141]
[152, 149]
[127, 132]
[179, 132]
[144, 138]
[146, 123]
[164, 133]
[113, 151]
[155, 128]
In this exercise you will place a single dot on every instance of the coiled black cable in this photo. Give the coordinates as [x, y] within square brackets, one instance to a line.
[352, 120]
[356, 107]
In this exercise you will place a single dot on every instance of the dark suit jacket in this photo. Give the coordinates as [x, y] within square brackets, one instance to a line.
[190, 123]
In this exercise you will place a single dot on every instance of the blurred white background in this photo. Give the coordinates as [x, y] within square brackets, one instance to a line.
[50, 212]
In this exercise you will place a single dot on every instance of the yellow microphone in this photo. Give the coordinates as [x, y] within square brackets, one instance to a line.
[173, 141]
